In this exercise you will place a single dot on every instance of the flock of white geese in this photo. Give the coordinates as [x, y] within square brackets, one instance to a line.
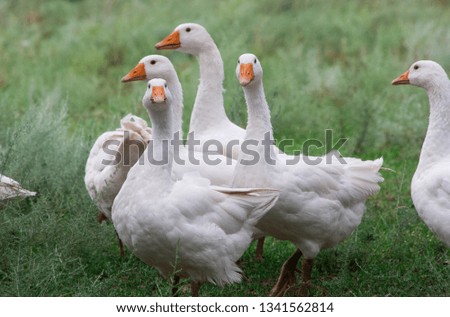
[197, 219]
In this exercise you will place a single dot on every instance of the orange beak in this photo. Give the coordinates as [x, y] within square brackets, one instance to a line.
[246, 74]
[170, 42]
[403, 79]
[137, 73]
[158, 94]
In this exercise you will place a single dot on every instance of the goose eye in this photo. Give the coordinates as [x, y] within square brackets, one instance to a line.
[188, 30]
[153, 62]
[165, 85]
[416, 66]
[254, 61]
[149, 86]
[239, 61]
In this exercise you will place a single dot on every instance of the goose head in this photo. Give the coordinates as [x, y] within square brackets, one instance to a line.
[425, 74]
[157, 97]
[149, 67]
[190, 38]
[248, 70]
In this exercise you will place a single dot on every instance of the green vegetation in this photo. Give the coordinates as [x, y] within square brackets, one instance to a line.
[327, 64]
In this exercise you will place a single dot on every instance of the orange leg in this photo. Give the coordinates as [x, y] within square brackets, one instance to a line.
[122, 250]
[101, 217]
[307, 266]
[259, 249]
[286, 279]
[195, 289]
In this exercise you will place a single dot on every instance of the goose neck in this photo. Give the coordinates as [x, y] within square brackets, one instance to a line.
[211, 66]
[259, 129]
[160, 149]
[208, 107]
[258, 124]
[177, 104]
[437, 143]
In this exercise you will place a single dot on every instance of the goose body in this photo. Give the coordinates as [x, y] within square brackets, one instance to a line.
[430, 186]
[9, 188]
[320, 204]
[208, 120]
[103, 181]
[214, 166]
[185, 226]
[110, 159]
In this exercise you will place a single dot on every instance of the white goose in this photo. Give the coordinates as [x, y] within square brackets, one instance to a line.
[103, 181]
[110, 159]
[216, 167]
[185, 226]
[319, 205]
[9, 188]
[208, 120]
[430, 187]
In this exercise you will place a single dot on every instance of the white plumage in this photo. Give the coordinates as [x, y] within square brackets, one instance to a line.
[103, 180]
[221, 171]
[110, 159]
[320, 204]
[185, 227]
[208, 119]
[10, 188]
[430, 186]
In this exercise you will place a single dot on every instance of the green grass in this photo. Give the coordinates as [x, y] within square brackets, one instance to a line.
[327, 65]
